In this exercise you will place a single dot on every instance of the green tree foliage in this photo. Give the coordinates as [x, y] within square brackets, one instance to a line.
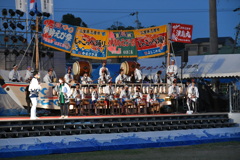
[72, 20]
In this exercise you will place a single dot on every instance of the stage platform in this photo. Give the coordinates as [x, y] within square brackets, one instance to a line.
[15, 127]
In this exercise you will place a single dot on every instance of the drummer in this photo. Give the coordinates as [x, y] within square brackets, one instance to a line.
[104, 63]
[104, 78]
[86, 79]
[124, 96]
[78, 95]
[109, 91]
[68, 77]
[94, 96]
[121, 78]
[151, 98]
[137, 97]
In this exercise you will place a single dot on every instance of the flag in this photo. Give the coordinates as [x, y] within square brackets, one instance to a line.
[47, 6]
[32, 3]
[21, 5]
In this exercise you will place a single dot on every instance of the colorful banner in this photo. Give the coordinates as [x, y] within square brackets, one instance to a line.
[181, 33]
[21, 5]
[58, 35]
[121, 44]
[90, 43]
[151, 42]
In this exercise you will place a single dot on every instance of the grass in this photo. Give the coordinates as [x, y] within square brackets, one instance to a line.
[211, 151]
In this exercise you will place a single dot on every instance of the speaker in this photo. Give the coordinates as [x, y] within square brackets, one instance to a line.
[185, 56]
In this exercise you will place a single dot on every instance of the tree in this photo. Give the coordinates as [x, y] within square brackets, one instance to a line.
[72, 20]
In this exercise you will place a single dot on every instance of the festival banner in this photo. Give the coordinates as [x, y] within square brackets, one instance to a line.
[58, 35]
[181, 33]
[151, 42]
[90, 43]
[121, 44]
[21, 5]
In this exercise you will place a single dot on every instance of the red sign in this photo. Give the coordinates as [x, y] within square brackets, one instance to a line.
[181, 33]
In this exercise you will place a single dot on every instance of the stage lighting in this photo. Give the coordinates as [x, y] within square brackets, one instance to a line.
[6, 52]
[45, 14]
[4, 12]
[31, 13]
[19, 25]
[5, 25]
[6, 39]
[15, 52]
[39, 14]
[14, 39]
[12, 25]
[20, 13]
[22, 39]
[11, 12]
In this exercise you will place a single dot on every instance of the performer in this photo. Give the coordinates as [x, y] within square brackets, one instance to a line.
[28, 75]
[95, 98]
[34, 89]
[64, 92]
[109, 91]
[86, 79]
[68, 77]
[157, 77]
[174, 92]
[78, 95]
[193, 95]
[121, 78]
[104, 63]
[172, 72]
[48, 78]
[138, 74]
[124, 96]
[151, 98]
[104, 78]
[54, 75]
[14, 75]
[137, 97]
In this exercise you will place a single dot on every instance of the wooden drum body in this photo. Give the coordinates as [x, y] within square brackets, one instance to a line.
[80, 67]
[129, 67]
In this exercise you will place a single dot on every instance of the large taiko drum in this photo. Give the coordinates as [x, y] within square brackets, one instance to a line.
[129, 67]
[80, 67]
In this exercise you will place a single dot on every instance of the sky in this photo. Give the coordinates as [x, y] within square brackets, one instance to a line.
[101, 14]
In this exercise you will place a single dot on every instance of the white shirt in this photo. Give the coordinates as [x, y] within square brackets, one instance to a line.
[193, 91]
[124, 95]
[28, 75]
[34, 85]
[102, 81]
[94, 95]
[86, 80]
[157, 79]
[47, 79]
[137, 95]
[172, 68]
[68, 77]
[100, 71]
[121, 78]
[151, 99]
[173, 90]
[75, 94]
[14, 75]
[137, 75]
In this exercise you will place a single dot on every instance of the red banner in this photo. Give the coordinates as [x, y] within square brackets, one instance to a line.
[181, 33]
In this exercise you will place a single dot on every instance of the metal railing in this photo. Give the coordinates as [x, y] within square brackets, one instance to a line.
[234, 99]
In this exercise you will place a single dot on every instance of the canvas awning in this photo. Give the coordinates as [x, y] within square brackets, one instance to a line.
[204, 66]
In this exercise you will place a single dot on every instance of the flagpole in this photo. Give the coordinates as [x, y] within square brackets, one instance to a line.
[36, 41]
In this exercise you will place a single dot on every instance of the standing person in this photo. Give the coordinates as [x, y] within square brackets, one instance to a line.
[14, 75]
[138, 74]
[121, 78]
[68, 77]
[48, 78]
[64, 92]
[28, 75]
[104, 68]
[193, 95]
[34, 89]
[174, 92]
[86, 79]
[157, 77]
[171, 72]
[78, 95]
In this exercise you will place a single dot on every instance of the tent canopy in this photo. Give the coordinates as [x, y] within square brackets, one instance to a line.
[204, 66]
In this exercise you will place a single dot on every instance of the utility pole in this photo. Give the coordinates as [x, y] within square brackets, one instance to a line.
[137, 20]
[237, 33]
[213, 27]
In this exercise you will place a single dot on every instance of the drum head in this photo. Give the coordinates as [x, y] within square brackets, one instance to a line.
[76, 68]
[124, 66]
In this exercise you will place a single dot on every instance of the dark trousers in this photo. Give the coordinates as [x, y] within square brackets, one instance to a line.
[174, 105]
[28, 100]
[64, 109]
[193, 105]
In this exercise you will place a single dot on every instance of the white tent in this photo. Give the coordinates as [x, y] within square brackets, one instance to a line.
[205, 66]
